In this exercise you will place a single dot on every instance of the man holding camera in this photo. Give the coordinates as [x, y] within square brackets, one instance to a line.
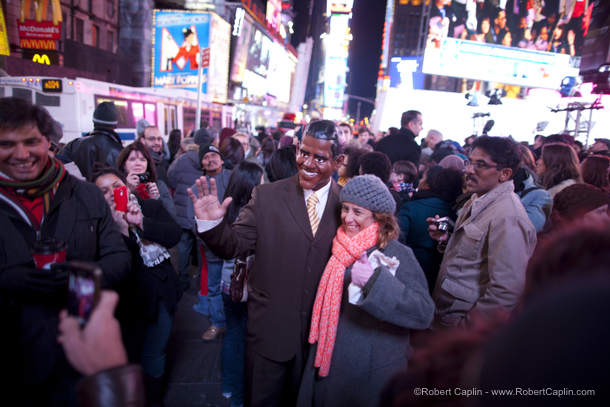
[483, 269]
[44, 212]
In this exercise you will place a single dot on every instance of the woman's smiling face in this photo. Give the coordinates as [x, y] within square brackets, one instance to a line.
[355, 218]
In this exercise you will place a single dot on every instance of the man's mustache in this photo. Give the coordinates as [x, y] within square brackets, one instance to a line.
[471, 178]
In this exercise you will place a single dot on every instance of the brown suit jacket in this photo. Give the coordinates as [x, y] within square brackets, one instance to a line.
[288, 265]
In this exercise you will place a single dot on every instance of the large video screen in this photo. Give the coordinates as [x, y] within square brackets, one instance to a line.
[496, 63]
[550, 26]
[258, 55]
[242, 47]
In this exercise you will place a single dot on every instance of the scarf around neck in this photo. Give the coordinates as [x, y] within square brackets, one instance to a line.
[45, 186]
[326, 308]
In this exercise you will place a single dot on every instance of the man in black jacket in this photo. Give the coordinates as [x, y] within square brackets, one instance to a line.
[38, 200]
[402, 146]
[102, 144]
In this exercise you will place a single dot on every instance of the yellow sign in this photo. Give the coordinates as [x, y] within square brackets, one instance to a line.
[37, 44]
[4, 48]
[41, 59]
[40, 7]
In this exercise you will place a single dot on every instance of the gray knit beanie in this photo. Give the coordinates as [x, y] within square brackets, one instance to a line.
[140, 126]
[105, 114]
[369, 192]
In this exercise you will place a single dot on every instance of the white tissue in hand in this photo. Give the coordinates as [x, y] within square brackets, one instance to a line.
[376, 259]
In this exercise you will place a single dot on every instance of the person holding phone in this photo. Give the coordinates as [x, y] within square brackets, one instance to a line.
[150, 296]
[371, 294]
[97, 352]
[135, 161]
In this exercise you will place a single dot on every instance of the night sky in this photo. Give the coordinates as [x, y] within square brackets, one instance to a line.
[367, 21]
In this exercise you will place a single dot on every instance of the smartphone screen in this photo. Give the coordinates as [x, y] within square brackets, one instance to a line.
[83, 289]
[121, 198]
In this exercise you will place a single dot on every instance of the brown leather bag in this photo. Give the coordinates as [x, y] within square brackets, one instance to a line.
[239, 279]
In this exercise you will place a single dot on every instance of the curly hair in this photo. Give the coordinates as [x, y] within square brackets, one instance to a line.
[377, 164]
[447, 184]
[561, 163]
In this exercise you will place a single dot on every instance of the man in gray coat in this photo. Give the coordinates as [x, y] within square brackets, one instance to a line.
[483, 270]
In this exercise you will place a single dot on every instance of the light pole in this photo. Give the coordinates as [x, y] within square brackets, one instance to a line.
[360, 100]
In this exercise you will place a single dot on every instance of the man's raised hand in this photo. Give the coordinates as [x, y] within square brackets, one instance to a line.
[207, 206]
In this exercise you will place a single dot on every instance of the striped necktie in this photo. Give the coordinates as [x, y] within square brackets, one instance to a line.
[313, 213]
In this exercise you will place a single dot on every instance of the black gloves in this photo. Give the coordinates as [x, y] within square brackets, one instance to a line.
[28, 280]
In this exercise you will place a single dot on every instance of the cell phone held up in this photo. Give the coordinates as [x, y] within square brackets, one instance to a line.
[121, 197]
[84, 284]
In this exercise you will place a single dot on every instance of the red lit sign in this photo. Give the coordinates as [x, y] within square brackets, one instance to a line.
[43, 30]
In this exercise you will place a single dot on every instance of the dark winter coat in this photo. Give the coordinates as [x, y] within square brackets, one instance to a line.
[148, 284]
[400, 147]
[182, 174]
[103, 145]
[414, 231]
[79, 216]
[372, 341]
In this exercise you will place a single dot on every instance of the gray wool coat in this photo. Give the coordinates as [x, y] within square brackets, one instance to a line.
[372, 341]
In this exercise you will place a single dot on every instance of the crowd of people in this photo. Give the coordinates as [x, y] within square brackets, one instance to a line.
[377, 264]
[551, 26]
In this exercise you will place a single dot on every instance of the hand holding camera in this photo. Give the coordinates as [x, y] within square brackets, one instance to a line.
[440, 228]
[134, 180]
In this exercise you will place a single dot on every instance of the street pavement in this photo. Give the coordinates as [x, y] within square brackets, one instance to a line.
[192, 365]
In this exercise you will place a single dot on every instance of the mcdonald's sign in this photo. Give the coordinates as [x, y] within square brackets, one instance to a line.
[40, 7]
[44, 58]
[37, 44]
[41, 59]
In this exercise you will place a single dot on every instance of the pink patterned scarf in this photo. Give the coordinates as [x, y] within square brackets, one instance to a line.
[326, 309]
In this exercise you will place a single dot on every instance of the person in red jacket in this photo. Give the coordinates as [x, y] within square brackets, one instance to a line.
[188, 50]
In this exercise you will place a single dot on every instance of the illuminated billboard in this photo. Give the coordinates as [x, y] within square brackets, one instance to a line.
[558, 27]
[258, 54]
[405, 73]
[242, 46]
[496, 63]
[282, 67]
[178, 39]
[339, 7]
[335, 66]
[218, 75]
[184, 40]
[273, 14]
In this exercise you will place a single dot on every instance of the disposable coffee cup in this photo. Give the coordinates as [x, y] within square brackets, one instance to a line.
[48, 251]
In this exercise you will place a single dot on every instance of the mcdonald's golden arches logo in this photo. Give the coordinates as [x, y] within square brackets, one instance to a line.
[41, 59]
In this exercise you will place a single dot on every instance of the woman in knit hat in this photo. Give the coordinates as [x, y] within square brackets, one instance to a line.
[371, 294]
